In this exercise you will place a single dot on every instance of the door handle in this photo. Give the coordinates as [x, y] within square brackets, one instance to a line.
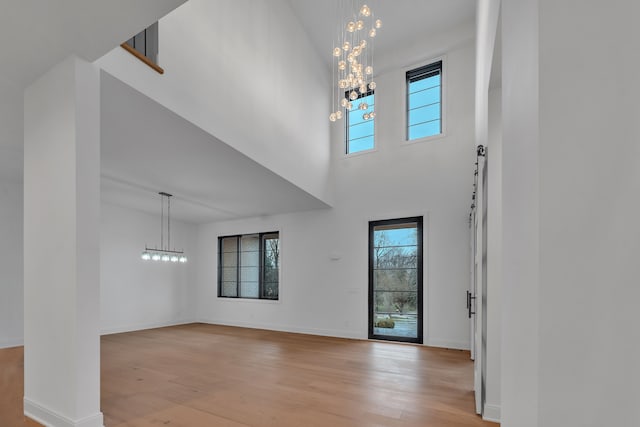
[469, 298]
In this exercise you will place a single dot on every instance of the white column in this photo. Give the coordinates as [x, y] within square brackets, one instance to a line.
[61, 246]
[520, 215]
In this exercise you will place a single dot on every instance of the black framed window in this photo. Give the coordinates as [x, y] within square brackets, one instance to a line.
[424, 101]
[395, 279]
[360, 130]
[249, 266]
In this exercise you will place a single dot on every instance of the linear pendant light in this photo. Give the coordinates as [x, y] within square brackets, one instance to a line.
[165, 252]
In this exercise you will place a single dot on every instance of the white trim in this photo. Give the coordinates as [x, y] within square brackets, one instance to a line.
[143, 326]
[49, 418]
[455, 345]
[12, 342]
[491, 413]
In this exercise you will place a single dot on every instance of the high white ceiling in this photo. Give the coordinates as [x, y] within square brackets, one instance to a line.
[402, 20]
[145, 149]
[37, 34]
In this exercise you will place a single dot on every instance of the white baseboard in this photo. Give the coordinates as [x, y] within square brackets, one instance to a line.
[491, 413]
[143, 326]
[456, 345]
[310, 331]
[49, 418]
[12, 342]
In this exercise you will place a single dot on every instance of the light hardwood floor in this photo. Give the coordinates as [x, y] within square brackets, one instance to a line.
[204, 375]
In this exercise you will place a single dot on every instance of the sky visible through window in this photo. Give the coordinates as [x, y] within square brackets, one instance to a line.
[360, 131]
[424, 108]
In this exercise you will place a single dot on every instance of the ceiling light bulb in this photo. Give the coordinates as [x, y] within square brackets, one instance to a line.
[346, 46]
[342, 84]
[372, 114]
[166, 258]
[368, 70]
[359, 25]
[349, 106]
[338, 114]
[174, 258]
[342, 65]
[344, 102]
[372, 32]
[155, 257]
[351, 26]
[365, 10]
[365, 116]
[363, 106]
[372, 85]
[353, 96]
[336, 51]
[146, 256]
[183, 259]
[378, 23]
[363, 44]
[332, 117]
[362, 89]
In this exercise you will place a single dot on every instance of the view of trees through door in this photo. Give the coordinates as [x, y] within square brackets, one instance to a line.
[395, 279]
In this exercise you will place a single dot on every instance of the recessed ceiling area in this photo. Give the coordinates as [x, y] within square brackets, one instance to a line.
[146, 148]
[403, 21]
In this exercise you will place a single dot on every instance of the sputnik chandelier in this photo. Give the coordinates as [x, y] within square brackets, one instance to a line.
[164, 253]
[353, 60]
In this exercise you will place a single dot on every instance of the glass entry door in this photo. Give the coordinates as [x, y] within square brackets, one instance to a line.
[395, 279]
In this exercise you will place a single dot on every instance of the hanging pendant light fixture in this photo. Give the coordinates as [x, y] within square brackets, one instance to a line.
[353, 59]
[164, 253]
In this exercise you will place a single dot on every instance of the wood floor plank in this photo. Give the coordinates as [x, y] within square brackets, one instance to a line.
[207, 375]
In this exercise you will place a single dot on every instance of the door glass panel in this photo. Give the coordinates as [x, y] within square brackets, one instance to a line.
[395, 288]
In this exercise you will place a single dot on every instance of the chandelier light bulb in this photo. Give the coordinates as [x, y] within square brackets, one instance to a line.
[365, 10]
[342, 65]
[363, 44]
[337, 52]
[183, 259]
[369, 70]
[356, 51]
[362, 89]
[332, 117]
[346, 46]
[344, 102]
[366, 116]
[372, 32]
[372, 85]
[372, 114]
[378, 23]
[353, 96]
[363, 106]
[351, 26]
[146, 256]
[338, 114]
[174, 258]
[349, 106]
[359, 25]
[155, 257]
[166, 258]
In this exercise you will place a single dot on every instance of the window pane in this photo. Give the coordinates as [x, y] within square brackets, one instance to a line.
[271, 266]
[424, 104]
[229, 289]
[424, 130]
[230, 244]
[360, 131]
[423, 84]
[229, 274]
[427, 113]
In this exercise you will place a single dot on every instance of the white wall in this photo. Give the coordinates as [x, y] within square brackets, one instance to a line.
[431, 178]
[11, 158]
[520, 217]
[245, 89]
[589, 228]
[137, 294]
[494, 257]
